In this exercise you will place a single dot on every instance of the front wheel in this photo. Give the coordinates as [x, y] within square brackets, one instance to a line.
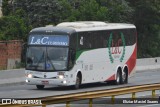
[78, 82]
[40, 86]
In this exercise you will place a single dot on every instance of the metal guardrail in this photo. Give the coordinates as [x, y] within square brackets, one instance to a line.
[94, 94]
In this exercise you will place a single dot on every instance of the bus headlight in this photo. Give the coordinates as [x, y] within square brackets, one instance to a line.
[29, 76]
[61, 76]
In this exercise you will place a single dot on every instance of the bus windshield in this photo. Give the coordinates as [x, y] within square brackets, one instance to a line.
[47, 58]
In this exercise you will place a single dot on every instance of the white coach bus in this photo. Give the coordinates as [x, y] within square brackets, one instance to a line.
[75, 53]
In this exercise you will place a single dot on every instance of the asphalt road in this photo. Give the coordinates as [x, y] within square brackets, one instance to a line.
[29, 91]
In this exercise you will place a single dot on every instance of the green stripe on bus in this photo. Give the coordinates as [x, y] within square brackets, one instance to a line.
[79, 52]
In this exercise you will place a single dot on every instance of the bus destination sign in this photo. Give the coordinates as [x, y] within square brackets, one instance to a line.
[48, 40]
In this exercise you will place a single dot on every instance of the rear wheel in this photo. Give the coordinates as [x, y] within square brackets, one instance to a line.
[40, 86]
[125, 76]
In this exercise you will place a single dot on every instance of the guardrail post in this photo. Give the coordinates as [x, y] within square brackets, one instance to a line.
[43, 105]
[68, 104]
[133, 95]
[113, 99]
[90, 102]
[153, 94]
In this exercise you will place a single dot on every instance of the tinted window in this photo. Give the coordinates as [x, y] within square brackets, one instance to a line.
[101, 39]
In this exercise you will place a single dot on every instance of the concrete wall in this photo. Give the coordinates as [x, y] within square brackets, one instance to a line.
[148, 63]
[13, 63]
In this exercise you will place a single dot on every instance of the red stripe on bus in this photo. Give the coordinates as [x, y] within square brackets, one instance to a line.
[131, 63]
[111, 78]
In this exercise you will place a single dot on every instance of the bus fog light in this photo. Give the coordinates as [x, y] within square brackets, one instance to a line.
[61, 76]
[64, 82]
[26, 80]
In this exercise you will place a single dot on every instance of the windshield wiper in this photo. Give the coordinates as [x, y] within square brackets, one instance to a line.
[39, 61]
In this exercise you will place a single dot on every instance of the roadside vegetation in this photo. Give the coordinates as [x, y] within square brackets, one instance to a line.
[20, 16]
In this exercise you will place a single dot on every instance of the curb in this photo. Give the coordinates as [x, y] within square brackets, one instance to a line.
[12, 81]
[15, 83]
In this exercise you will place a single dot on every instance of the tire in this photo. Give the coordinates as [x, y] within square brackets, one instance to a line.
[118, 78]
[78, 82]
[40, 86]
[125, 76]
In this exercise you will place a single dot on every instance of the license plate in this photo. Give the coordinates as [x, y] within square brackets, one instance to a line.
[45, 82]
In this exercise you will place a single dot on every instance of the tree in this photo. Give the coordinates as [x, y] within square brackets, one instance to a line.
[66, 11]
[27, 14]
[118, 10]
[12, 28]
[40, 13]
[6, 7]
[147, 20]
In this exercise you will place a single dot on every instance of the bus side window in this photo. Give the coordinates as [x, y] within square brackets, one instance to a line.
[72, 56]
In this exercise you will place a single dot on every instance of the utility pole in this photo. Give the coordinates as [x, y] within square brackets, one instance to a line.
[0, 8]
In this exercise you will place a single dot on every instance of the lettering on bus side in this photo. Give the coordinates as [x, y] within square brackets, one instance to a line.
[88, 67]
[52, 40]
[116, 47]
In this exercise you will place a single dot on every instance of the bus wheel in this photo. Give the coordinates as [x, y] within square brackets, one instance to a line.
[78, 82]
[125, 76]
[118, 77]
[40, 86]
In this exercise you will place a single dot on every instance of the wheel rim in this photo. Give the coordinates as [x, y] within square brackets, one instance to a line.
[124, 76]
[118, 77]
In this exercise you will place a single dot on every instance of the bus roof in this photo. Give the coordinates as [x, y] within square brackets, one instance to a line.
[94, 25]
[71, 27]
[53, 29]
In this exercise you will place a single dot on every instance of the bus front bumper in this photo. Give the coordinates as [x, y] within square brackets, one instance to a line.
[53, 82]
